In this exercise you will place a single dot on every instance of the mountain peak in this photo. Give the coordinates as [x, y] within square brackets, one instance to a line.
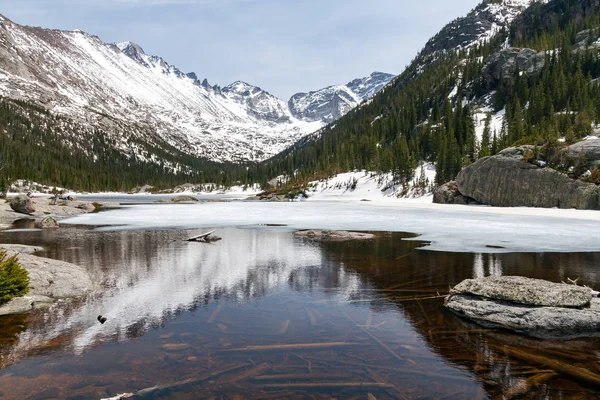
[241, 87]
[334, 101]
[130, 47]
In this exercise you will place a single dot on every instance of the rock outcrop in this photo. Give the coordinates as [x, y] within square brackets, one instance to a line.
[22, 204]
[532, 306]
[448, 194]
[48, 280]
[508, 180]
[503, 65]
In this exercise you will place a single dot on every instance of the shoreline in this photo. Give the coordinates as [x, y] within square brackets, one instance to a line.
[49, 280]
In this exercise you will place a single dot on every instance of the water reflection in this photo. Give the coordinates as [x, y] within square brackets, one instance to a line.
[194, 308]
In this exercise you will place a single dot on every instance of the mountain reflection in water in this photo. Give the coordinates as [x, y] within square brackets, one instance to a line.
[185, 313]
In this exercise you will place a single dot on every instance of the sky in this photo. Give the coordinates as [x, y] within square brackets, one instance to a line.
[283, 46]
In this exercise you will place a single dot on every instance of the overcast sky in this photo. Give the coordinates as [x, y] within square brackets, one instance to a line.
[283, 46]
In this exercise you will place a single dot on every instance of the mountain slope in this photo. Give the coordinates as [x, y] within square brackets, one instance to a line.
[435, 111]
[76, 74]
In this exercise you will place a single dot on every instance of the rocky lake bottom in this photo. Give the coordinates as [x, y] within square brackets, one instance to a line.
[264, 314]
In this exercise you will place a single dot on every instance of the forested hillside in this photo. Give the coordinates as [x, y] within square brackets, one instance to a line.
[542, 73]
[39, 146]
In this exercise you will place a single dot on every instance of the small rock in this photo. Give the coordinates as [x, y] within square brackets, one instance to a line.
[183, 199]
[87, 207]
[22, 204]
[47, 223]
[175, 346]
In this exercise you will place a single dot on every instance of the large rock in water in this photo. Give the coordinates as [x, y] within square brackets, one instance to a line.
[543, 322]
[528, 291]
[531, 306]
[22, 204]
[506, 180]
[48, 280]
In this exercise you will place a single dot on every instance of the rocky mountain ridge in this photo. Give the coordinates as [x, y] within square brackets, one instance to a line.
[75, 74]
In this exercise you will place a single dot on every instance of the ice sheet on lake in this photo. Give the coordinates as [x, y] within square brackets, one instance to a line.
[448, 228]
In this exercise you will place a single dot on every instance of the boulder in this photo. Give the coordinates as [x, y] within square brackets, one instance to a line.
[590, 150]
[48, 280]
[528, 291]
[183, 199]
[334, 235]
[448, 194]
[47, 223]
[21, 305]
[87, 207]
[22, 204]
[507, 180]
[532, 306]
[542, 322]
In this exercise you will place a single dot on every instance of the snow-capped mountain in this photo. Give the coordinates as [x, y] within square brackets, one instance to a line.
[333, 102]
[76, 74]
[480, 25]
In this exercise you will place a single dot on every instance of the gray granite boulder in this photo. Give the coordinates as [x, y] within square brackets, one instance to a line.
[590, 149]
[532, 306]
[543, 322]
[507, 180]
[528, 291]
[47, 223]
[22, 204]
[48, 280]
[448, 194]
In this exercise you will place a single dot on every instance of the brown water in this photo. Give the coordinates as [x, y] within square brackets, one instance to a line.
[262, 314]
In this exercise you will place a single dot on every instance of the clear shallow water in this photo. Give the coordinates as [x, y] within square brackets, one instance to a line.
[182, 315]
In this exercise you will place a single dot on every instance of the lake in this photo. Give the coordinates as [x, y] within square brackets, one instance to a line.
[264, 314]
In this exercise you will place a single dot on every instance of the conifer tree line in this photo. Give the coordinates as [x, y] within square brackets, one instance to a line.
[39, 146]
[424, 115]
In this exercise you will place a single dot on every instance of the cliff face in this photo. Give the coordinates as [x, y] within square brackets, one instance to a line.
[506, 180]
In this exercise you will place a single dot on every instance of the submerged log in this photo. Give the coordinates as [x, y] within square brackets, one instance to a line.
[577, 373]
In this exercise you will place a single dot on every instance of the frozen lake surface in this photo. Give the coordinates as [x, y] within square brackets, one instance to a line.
[448, 228]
